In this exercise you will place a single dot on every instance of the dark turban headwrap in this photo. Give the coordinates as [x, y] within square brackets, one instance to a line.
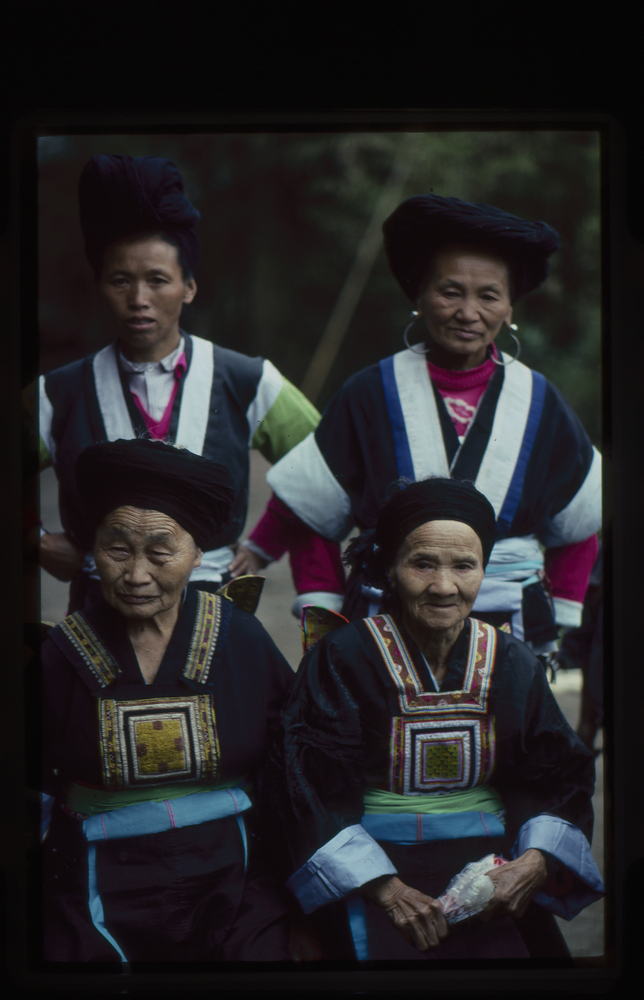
[193, 491]
[122, 196]
[424, 225]
[436, 499]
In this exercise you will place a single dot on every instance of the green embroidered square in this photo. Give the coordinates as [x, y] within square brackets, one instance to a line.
[441, 760]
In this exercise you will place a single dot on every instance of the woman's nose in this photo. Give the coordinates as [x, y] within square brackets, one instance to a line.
[443, 582]
[467, 309]
[137, 572]
[138, 296]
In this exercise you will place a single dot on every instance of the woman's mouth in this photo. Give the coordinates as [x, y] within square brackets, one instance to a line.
[133, 599]
[466, 334]
[139, 323]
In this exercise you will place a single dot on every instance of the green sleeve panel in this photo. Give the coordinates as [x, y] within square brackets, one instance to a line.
[290, 419]
[44, 456]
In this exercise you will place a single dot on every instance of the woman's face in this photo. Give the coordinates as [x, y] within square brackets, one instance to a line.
[144, 559]
[464, 306]
[144, 290]
[437, 574]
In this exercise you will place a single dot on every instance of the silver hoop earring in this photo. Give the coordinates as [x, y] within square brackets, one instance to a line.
[504, 364]
[415, 316]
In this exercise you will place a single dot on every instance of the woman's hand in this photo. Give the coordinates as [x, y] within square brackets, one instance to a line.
[60, 557]
[419, 918]
[246, 562]
[515, 883]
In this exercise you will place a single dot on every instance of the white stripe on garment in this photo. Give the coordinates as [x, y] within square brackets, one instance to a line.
[268, 389]
[109, 393]
[583, 515]
[500, 458]
[195, 397]
[314, 493]
[420, 413]
[46, 416]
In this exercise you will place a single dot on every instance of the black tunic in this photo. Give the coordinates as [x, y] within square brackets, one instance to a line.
[181, 894]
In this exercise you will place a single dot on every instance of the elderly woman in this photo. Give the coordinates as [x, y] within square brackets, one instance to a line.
[156, 380]
[156, 704]
[420, 740]
[457, 406]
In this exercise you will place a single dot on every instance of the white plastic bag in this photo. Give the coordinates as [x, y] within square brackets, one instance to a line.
[470, 891]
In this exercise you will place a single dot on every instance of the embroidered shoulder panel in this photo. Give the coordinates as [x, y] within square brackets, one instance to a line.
[100, 662]
[478, 673]
[155, 741]
[205, 634]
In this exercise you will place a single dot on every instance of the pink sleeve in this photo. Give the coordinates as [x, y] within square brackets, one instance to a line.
[568, 568]
[316, 563]
[273, 530]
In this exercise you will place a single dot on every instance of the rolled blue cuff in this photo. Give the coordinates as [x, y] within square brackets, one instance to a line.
[343, 864]
[418, 828]
[567, 844]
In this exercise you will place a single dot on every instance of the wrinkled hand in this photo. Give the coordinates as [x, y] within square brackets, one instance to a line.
[60, 557]
[246, 562]
[515, 883]
[419, 918]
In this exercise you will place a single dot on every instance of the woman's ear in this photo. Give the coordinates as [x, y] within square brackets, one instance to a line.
[191, 291]
[198, 557]
[508, 318]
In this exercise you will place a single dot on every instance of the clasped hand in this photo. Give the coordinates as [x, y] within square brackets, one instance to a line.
[420, 919]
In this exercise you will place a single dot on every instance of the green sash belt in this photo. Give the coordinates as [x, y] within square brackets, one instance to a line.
[92, 801]
[482, 798]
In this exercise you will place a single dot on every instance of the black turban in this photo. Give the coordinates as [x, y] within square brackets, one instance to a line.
[423, 225]
[436, 499]
[193, 491]
[122, 196]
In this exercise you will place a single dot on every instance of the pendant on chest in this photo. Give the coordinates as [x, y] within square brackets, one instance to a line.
[440, 741]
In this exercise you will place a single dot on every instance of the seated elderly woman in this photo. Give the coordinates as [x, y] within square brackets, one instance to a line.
[420, 740]
[157, 703]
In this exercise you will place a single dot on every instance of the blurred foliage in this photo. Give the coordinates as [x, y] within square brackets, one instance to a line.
[283, 215]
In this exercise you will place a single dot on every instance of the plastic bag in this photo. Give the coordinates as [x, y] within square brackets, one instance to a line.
[470, 891]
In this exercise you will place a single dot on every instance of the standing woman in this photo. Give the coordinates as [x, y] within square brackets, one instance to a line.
[157, 381]
[454, 405]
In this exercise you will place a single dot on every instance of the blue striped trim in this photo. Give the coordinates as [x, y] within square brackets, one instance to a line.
[396, 419]
[418, 828]
[357, 913]
[515, 489]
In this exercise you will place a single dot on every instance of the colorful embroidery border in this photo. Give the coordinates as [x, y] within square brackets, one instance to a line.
[204, 637]
[478, 673]
[101, 663]
[199, 713]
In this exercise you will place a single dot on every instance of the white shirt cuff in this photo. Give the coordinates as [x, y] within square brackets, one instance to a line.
[567, 613]
[344, 863]
[319, 598]
[257, 549]
[566, 843]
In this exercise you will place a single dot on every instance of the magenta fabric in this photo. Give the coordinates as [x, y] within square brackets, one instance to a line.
[159, 428]
[316, 564]
[568, 568]
[461, 391]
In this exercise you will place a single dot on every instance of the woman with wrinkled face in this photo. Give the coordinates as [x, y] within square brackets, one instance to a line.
[157, 704]
[457, 401]
[422, 739]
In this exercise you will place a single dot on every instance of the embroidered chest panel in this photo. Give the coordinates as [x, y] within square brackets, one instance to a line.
[157, 740]
[440, 741]
[102, 667]
[148, 741]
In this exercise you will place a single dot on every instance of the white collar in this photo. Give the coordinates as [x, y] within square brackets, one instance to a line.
[168, 363]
